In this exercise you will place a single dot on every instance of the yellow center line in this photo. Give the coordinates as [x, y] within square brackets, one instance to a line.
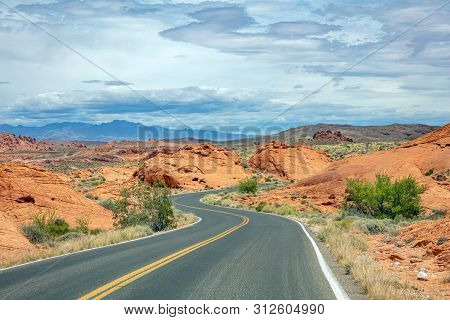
[130, 277]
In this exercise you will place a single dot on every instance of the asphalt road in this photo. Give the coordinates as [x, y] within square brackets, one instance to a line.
[229, 254]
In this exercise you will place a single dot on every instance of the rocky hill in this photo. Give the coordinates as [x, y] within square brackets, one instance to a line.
[10, 143]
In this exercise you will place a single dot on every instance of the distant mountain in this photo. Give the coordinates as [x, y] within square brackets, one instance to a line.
[392, 132]
[305, 134]
[115, 130]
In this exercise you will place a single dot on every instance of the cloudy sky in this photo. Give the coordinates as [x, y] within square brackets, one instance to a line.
[225, 63]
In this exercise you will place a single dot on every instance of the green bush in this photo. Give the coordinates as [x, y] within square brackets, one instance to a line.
[145, 204]
[83, 225]
[383, 198]
[249, 185]
[260, 206]
[57, 228]
[108, 204]
[34, 234]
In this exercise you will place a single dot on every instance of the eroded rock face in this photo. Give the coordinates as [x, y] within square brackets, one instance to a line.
[290, 162]
[10, 142]
[193, 166]
[25, 189]
[329, 135]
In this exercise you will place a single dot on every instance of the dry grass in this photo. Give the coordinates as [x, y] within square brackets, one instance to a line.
[182, 219]
[92, 241]
[81, 243]
[350, 251]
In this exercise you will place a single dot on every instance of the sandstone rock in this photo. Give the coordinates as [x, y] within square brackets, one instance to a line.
[25, 190]
[193, 166]
[290, 162]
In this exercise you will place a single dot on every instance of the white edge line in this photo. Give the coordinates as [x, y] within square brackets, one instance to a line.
[338, 291]
[108, 245]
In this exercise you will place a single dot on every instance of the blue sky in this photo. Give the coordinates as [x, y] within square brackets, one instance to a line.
[224, 63]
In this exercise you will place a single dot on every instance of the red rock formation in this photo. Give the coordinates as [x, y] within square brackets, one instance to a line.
[193, 166]
[330, 136]
[25, 190]
[10, 142]
[291, 162]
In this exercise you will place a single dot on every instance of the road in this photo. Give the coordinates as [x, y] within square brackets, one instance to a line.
[229, 254]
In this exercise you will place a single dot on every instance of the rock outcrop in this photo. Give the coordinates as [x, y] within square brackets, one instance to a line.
[10, 143]
[25, 190]
[329, 135]
[290, 162]
[193, 166]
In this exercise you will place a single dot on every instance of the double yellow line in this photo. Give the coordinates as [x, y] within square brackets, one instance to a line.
[128, 278]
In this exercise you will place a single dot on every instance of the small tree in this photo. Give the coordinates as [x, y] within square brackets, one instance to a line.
[249, 185]
[384, 198]
[145, 204]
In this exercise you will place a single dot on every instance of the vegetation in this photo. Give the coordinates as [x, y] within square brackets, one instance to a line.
[143, 204]
[341, 150]
[75, 241]
[249, 185]
[47, 227]
[384, 198]
[350, 250]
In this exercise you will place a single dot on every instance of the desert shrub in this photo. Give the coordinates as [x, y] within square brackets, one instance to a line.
[69, 236]
[92, 182]
[57, 227]
[108, 204]
[34, 234]
[375, 226]
[286, 210]
[44, 227]
[260, 206]
[437, 214]
[91, 196]
[230, 203]
[384, 198]
[317, 220]
[96, 231]
[144, 204]
[249, 185]
[83, 225]
[429, 172]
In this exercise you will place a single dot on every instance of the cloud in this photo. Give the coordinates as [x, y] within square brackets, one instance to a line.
[5, 82]
[108, 83]
[117, 83]
[181, 54]
[300, 28]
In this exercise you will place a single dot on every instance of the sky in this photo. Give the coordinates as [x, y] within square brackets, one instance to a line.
[229, 64]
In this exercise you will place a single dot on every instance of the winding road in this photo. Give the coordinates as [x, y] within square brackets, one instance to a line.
[228, 254]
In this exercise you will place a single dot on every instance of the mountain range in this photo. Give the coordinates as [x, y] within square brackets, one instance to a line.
[115, 130]
[125, 130]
